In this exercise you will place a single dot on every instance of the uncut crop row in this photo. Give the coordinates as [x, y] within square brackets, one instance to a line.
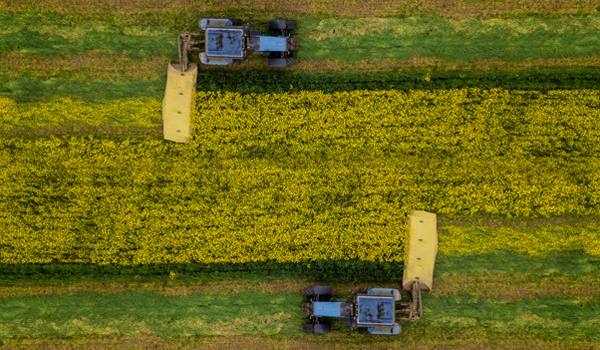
[300, 177]
[450, 123]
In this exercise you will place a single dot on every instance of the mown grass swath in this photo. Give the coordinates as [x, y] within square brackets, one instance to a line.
[336, 39]
[225, 314]
[89, 314]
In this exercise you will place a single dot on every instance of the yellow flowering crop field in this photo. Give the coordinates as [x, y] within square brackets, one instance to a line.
[294, 177]
[60, 112]
[471, 121]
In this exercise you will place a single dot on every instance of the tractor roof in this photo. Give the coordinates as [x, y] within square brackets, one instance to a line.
[376, 310]
[224, 42]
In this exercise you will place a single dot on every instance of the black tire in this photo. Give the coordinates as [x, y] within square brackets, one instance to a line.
[291, 24]
[277, 24]
[282, 24]
[322, 291]
[277, 62]
[308, 328]
[320, 328]
[363, 330]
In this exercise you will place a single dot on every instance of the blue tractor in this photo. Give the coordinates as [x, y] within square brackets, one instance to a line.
[225, 41]
[370, 311]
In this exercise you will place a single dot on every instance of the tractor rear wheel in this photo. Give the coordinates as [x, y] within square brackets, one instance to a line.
[278, 62]
[319, 328]
[322, 291]
[282, 24]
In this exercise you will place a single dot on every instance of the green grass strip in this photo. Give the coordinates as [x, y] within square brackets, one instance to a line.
[332, 271]
[90, 314]
[130, 313]
[28, 89]
[51, 35]
[340, 340]
[506, 263]
[503, 262]
[33, 90]
[546, 318]
[534, 79]
[465, 40]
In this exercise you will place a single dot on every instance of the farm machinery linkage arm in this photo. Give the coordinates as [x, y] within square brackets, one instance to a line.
[413, 310]
[188, 42]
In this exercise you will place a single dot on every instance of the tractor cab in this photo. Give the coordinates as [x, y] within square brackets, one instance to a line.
[224, 41]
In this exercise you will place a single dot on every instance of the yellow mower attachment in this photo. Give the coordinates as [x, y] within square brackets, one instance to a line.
[420, 260]
[422, 250]
[179, 102]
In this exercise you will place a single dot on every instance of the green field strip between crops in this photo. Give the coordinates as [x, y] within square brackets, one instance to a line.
[41, 34]
[556, 265]
[94, 65]
[82, 314]
[27, 89]
[336, 39]
[466, 40]
[485, 286]
[89, 65]
[34, 90]
[130, 313]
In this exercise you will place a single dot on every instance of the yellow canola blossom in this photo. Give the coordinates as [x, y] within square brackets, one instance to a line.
[473, 121]
[59, 112]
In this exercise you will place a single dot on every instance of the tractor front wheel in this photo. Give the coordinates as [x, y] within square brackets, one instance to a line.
[277, 62]
[319, 328]
[282, 24]
[318, 291]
